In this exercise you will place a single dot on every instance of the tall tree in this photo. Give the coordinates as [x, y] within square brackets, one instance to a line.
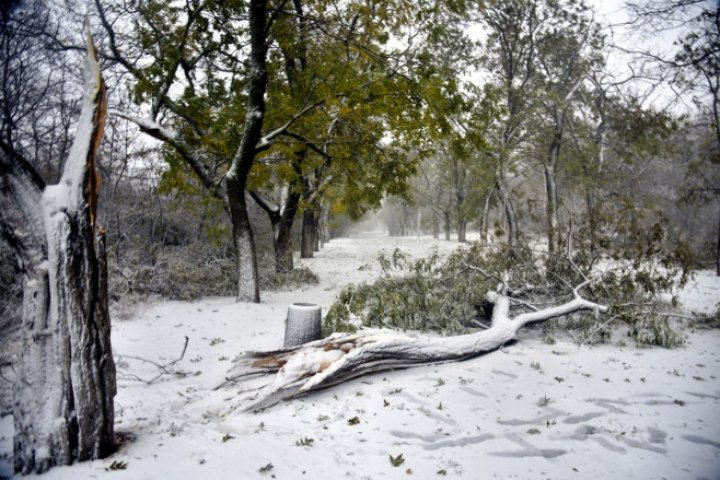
[202, 102]
[510, 53]
[217, 120]
[341, 157]
[565, 60]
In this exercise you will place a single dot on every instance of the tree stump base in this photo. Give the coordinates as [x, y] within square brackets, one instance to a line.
[302, 324]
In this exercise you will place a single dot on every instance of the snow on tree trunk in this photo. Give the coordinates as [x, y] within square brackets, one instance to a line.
[243, 243]
[65, 386]
[244, 157]
[341, 356]
[302, 324]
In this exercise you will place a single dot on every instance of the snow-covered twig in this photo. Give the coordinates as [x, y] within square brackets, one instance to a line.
[165, 368]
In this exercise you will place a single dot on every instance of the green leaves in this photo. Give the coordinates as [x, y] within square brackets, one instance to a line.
[396, 461]
[116, 465]
[420, 295]
[305, 442]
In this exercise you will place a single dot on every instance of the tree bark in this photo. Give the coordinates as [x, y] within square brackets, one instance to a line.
[447, 224]
[551, 207]
[462, 230]
[509, 212]
[323, 229]
[485, 227]
[435, 224]
[243, 243]
[307, 240]
[282, 235]
[63, 404]
[236, 178]
[281, 220]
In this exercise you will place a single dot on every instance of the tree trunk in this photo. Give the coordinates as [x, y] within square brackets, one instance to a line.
[592, 219]
[63, 404]
[236, 178]
[243, 243]
[447, 224]
[435, 224]
[551, 207]
[281, 220]
[316, 231]
[307, 241]
[324, 230]
[282, 238]
[509, 212]
[462, 230]
[418, 230]
[282, 246]
[485, 228]
[459, 180]
[592, 203]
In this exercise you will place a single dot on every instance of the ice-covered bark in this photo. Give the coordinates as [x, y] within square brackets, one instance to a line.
[341, 357]
[65, 385]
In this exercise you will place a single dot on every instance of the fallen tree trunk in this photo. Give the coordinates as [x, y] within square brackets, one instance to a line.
[341, 357]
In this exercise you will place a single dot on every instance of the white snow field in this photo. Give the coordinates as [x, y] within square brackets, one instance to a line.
[528, 411]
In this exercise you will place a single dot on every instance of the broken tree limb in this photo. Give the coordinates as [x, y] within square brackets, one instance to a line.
[341, 357]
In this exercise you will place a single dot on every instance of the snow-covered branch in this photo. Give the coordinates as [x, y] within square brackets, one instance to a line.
[267, 139]
[149, 126]
[156, 130]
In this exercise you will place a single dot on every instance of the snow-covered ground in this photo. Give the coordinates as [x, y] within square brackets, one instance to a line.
[528, 411]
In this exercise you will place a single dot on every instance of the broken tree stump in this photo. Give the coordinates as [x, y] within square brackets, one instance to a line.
[302, 324]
